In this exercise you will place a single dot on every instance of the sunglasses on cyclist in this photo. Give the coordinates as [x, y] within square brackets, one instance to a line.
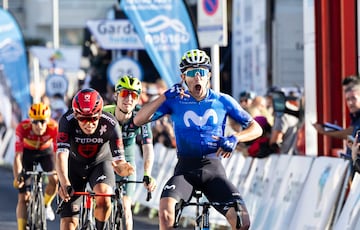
[194, 72]
[38, 121]
[125, 93]
[86, 119]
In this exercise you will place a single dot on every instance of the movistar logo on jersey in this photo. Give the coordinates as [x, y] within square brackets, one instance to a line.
[169, 187]
[198, 119]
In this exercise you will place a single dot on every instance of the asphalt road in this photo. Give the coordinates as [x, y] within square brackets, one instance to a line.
[8, 200]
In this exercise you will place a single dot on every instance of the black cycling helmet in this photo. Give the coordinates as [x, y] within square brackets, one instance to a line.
[195, 58]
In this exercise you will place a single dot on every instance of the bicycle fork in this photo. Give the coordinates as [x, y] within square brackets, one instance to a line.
[88, 204]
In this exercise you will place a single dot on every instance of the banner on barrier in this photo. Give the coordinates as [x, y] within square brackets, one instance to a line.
[350, 215]
[320, 195]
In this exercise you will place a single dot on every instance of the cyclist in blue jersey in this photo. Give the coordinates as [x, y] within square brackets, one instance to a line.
[127, 91]
[199, 115]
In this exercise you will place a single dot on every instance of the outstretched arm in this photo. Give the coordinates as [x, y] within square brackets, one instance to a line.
[148, 110]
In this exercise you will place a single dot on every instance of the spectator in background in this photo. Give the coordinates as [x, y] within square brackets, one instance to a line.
[355, 154]
[58, 105]
[286, 123]
[351, 87]
[259, 147]
[245, 99]
[161, 85]
[144, 97]
[259, 107]
[152, 91]
[163, 132]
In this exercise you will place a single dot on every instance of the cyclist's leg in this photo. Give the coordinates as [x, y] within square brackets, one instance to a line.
[218, 187]
[47, 163]
[21, 209]
[175, 189]
[24, 192]
[102, 180]
[70, 213]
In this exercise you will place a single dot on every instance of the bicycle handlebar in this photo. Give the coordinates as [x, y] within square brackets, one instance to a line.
[93, 194]
[126, 180]
[90, 194]
[39, 173]
[181, 204]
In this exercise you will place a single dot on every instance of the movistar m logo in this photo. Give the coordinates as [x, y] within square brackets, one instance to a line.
[169, 187]
[200, 120]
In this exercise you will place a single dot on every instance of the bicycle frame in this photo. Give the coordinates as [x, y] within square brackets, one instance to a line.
[202, 221]
[36, 210]
[116, 220]
[86, 220]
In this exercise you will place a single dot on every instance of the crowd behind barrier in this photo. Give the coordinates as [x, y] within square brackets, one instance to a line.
[280, 191]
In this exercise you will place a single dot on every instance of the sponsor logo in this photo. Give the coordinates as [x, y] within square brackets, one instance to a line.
[103, 129]
[101, 178]
[165, 33]
[62, 137]
[169, 187]
[87, 140]
[75, 207]
[200, 120]
[87, 151]
[111, 120]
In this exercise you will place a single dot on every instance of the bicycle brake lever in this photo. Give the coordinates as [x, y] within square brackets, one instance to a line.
[149, 196]
[60, 207]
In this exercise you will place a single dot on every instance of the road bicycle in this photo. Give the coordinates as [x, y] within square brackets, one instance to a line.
[202, 220]
[117, 221]
[36, 217]
[86, 218]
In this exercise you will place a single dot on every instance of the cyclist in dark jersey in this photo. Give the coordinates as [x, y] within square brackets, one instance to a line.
[89, 150]
[35, 143]
[199, 115]
[127, 91]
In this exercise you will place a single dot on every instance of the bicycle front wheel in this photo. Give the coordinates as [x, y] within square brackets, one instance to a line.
[36, 212]
[116, 220]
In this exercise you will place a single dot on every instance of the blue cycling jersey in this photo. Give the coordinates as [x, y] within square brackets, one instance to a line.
[196, 122]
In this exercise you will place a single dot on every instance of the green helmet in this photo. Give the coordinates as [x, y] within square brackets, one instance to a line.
[130, 83]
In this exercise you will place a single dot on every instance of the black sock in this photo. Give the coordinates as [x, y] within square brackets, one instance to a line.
[99, 224]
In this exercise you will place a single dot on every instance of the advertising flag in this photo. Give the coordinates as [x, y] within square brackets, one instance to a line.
[14, 75]
[166, 31]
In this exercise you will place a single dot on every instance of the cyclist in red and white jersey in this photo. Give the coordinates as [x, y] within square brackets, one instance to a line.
[90, 149]
[35, 142]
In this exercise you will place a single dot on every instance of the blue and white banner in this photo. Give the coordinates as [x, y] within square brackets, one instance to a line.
[166, 31]
[14, 74]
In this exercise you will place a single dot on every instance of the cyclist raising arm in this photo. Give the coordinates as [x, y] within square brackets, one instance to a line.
[127, 91]
[35, 143]
[83, 156]
[199, 115]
